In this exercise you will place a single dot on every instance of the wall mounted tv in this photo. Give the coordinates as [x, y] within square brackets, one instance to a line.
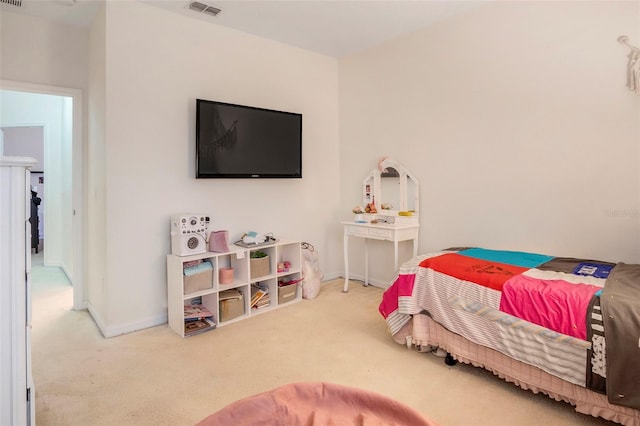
[237, 141]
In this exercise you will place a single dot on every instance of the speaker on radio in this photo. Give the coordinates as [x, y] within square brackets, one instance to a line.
[188, 234]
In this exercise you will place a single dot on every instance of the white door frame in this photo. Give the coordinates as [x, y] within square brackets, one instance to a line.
[77, 180]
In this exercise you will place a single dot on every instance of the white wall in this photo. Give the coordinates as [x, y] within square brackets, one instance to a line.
[39, 51]
[157, 63]
[516, 121]
[96, 223]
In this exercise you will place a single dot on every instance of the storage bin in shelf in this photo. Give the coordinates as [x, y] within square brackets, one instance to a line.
[198, 277]
[288, 289]
[232, 304]
[260, 262]
[259, 267]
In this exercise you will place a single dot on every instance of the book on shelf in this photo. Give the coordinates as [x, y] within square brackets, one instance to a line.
[198, 326]
[259, 295]
[195, 312]
[197, 319]
[263, 302]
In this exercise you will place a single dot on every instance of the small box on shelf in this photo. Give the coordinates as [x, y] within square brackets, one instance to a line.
[259, 264]
[198, 277]
[231, 304]
[287, 291]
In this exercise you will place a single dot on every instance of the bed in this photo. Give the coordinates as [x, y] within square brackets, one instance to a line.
[316, 403]
[566, 327]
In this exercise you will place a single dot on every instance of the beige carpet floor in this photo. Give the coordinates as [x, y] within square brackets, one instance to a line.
[155, 377]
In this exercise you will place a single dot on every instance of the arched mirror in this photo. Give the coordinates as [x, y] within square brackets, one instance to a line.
[392, 189]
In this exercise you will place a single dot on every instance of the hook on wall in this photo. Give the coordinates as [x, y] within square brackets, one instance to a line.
[633, 65]
[623, 39]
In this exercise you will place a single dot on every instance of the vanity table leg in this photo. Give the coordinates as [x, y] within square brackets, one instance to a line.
[366, 261]
[346, 261]
[395, 253]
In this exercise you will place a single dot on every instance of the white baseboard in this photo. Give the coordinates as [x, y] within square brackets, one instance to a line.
[331, 277]
[118, 330]
[372, 282]
[96, 318]
[113, 331]
[67, 273]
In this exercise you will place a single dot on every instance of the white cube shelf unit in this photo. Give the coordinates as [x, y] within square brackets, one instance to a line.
[238, 258]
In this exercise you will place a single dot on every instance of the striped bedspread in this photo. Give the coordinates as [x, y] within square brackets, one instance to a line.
[542, 310]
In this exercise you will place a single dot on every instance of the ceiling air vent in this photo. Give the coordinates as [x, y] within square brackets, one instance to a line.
[200, 7]
[12, 2]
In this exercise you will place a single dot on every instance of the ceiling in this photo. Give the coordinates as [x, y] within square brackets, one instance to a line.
[331, 27]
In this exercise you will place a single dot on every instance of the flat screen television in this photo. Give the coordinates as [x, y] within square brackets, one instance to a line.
[237, 141]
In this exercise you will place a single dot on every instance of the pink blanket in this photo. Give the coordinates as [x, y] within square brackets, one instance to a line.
[316, 403]
[554, 304]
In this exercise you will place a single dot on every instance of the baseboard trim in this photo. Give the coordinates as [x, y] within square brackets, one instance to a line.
[331, 277]
[118, 330]
[372, 282]
[355, 277]
[113, 331]
[96, 318]
[67, 273]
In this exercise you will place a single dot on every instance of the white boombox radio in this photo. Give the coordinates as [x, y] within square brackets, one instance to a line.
[189, 234]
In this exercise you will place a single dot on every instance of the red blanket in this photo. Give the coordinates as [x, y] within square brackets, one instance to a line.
[483, 272]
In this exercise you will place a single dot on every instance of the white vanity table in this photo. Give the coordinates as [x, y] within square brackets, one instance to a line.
[393, 232]
[396, 188]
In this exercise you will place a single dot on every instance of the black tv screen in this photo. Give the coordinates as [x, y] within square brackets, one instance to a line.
[236, 141]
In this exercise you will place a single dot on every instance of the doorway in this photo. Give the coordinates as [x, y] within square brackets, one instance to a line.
[58, 112]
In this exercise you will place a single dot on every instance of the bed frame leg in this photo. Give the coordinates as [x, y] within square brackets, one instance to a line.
[449, 360]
